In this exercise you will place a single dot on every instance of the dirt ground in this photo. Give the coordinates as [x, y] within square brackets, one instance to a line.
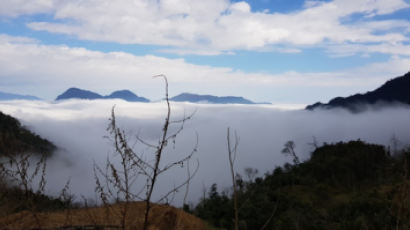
[108, 217]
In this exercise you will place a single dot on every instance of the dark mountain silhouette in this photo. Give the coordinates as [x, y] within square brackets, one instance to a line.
[196, 98]
[127, 95]
[396, 90]
[75, 93]
[14, 138]
[12, 96]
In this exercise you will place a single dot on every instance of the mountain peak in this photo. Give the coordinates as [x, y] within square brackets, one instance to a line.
[78, 94]
[126, 95]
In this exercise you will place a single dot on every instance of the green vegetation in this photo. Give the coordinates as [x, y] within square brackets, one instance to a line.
[350, 185]
[16, 139]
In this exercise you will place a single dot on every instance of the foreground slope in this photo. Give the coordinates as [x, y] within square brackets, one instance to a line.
[396, 90]
[161, 218]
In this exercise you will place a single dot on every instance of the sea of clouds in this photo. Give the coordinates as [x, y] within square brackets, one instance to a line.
[79, 129]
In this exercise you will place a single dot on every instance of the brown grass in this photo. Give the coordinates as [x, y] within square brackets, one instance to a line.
[161, 218]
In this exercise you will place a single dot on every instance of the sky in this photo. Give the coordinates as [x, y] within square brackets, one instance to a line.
[277, 51]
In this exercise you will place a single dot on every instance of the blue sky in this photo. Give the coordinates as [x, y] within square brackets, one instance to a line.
[279, 51]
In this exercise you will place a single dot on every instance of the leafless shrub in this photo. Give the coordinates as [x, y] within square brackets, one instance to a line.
[19, 170]
[120, 184]
[68, 198]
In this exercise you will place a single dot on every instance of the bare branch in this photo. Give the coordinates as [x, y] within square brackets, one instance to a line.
[180, 185]
[183, 160]
[145, 143]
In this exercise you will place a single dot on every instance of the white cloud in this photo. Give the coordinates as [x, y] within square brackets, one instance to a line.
[4, 38]
[46, 71]
[217, 25]
[351, 49]
[240, 7]
[14, 8]
[78, 127]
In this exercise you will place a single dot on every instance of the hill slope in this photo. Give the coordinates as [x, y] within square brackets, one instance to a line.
[16, 139]
[350, 185]
[396, 90]
[162, 218]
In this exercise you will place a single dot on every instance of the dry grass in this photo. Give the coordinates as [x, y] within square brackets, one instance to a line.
[161, 218]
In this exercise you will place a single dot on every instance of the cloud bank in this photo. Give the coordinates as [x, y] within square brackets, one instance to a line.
[79, 127]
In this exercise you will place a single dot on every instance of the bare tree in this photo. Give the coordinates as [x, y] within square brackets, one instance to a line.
[121, 183]
[232, 151]
[289, 149]
[394, 142]
[314, 143]
[251, 173]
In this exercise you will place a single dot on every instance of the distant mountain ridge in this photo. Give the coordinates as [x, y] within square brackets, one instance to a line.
[396, 90]
[12, 96]
[127, 95]
[196, 98]
[76, 93]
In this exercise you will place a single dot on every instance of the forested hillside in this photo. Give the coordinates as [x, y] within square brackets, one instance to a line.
[14, 138]
[343, 186]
